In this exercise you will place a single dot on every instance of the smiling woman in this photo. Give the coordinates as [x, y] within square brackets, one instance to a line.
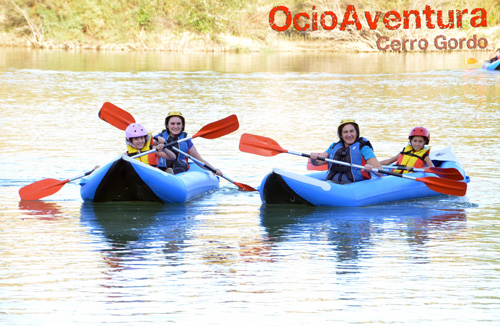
[351, 148]
[175, 124]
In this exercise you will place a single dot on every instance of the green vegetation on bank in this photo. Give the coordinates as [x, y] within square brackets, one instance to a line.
[227, 25]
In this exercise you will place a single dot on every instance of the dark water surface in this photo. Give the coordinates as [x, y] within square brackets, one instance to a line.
[223, 258]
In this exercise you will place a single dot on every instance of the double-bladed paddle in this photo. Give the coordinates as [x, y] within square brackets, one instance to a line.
[268, 147]
[121, 119]
[445, 173]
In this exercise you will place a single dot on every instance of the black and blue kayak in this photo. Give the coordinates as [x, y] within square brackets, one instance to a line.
[491, 66]
[127, 179]
[284, 187]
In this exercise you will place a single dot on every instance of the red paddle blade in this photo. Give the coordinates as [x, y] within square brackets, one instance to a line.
[115, 116]
[447, 173]
[219, 128]
[445, 186]
[244, 187]
[40, 189]
[260, 145]
[312, 167]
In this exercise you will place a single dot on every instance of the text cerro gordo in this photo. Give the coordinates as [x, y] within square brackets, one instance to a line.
[440, 43]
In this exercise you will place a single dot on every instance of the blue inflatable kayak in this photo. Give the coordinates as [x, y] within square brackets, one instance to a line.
[127, 179]
[283, 187]
[492, 66]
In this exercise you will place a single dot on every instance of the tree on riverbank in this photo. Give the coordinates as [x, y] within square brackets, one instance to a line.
[229, 25]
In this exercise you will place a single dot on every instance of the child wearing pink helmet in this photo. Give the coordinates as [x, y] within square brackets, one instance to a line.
[138, 140]
[415, 154]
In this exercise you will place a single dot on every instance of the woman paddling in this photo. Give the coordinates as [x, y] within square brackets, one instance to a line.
[350, 148]
[174, 130]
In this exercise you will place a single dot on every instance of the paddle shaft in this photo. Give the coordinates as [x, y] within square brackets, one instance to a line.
[206, 166]
[176, 141]
[353, 165]
[154, 149]
[185, 154]
[144, 153]
[403, 167]
[240, 185]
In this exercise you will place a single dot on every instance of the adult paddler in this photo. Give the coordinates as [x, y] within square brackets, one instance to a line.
[351, 148]
[174, 130]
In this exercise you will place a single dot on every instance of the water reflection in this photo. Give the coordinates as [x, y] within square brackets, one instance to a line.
[352, 233]
[40, 209]
[362, 63]
[132, 229]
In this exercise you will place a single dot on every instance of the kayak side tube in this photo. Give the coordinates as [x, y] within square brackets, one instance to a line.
[127, 179]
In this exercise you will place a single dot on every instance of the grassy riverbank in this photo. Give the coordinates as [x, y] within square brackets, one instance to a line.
[215, 25]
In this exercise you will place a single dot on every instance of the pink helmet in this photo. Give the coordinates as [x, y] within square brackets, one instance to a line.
[420, 131]
[135, 130]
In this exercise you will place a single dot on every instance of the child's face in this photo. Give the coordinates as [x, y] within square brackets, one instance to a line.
[138, 142]
[417, 143]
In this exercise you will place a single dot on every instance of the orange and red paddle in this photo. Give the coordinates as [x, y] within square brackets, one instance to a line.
[265, 146]
[45, 187]
[115, 116]
[121, 119]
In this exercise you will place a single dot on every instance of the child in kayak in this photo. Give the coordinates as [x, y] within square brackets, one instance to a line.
[415, 154]
[138, 140]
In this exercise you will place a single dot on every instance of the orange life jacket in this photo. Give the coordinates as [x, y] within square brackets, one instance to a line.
[151, 158]
[408, 157]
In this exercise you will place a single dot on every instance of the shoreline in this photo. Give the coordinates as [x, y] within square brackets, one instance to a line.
[268, 43]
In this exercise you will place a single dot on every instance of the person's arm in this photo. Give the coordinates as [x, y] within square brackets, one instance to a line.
[194, 153]
[314, 158]
[162, 151]
[373, 163]
[428, 161]
[389, 160]
[371, 160]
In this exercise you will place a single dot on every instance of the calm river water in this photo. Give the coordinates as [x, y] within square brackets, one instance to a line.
[223, 258]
